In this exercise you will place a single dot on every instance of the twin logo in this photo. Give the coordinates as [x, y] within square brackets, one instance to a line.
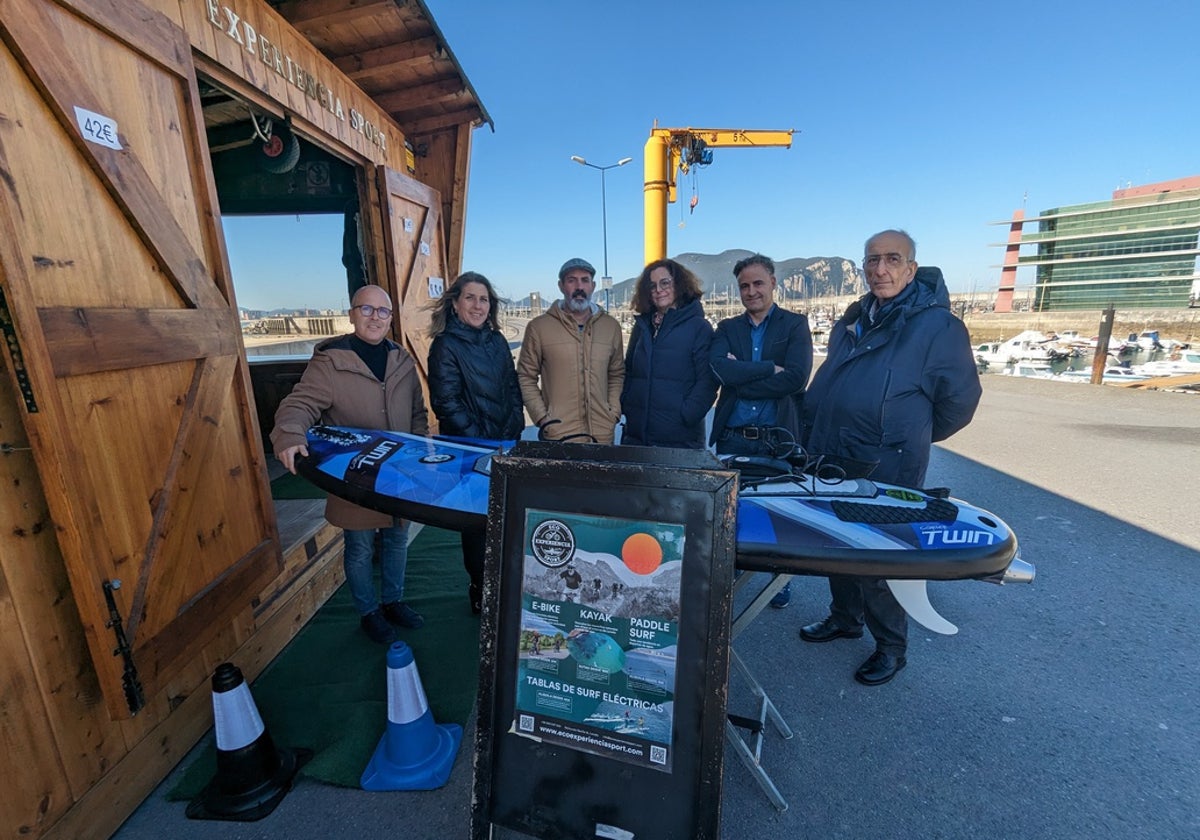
[935, 537]
[364, 467]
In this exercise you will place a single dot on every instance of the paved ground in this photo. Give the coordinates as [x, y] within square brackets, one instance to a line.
[1065, 709]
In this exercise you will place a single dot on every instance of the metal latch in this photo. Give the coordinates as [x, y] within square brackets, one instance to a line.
[134, 695]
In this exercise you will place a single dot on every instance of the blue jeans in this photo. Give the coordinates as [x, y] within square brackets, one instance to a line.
[356, 558]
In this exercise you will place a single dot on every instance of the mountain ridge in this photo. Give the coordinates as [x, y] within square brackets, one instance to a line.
[799, 277]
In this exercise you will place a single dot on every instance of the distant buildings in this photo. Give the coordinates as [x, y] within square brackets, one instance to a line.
[1138, 250]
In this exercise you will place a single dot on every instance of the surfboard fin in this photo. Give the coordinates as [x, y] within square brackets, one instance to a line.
[913, 595]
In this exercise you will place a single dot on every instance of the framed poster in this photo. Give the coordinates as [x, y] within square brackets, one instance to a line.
[600, 608]
[604, 646]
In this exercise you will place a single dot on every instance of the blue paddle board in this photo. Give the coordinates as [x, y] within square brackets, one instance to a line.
[792, 524]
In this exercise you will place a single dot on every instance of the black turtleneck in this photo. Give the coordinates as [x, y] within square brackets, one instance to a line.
[374, 356]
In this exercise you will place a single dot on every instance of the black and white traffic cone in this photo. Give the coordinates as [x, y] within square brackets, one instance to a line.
[415, 753]
[252, 774]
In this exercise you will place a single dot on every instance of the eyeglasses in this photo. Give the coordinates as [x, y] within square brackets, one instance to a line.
[892, 260]
[368, 310]
[666, 284]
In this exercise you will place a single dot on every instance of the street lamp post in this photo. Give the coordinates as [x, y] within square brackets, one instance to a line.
[605, 281]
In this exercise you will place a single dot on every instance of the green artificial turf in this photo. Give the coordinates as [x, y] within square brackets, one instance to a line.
[327, 690]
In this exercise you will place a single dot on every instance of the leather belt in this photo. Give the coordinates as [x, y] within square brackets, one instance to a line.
[747, 432]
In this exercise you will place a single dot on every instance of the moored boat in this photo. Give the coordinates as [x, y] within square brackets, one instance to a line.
[1188, 361]
[1027, 346]
[1112, 375]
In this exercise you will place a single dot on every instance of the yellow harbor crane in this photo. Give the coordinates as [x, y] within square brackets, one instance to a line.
[670, 151]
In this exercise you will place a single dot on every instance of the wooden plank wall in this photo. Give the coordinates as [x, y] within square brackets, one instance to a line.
[67, 770]
[444, 166]
[51, 703]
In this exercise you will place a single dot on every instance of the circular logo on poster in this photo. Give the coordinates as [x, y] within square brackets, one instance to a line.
[553, 543]
[437, 458]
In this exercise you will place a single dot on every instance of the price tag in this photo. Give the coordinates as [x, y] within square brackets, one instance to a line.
[97, 128]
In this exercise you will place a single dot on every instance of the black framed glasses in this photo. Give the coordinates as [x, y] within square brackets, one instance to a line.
[368, 310]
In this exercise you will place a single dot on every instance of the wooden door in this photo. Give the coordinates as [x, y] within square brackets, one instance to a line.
[123, 337]
[416, 259]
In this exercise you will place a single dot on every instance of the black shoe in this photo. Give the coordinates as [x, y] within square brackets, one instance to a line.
[377, 627]
[783, 597]
[879, 668]
[402, 615]
[826, 631]
[475, 595]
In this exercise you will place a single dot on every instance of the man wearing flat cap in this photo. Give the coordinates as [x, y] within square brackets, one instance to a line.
[572, 363]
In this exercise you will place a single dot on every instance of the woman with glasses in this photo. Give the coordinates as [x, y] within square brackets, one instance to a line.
[363, 380]
[473, 384]
[669, 386]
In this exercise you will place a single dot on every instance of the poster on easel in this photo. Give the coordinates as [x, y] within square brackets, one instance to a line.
[599, 627]
[604, 643]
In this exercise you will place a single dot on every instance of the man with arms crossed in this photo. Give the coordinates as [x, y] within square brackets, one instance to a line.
[899, 376]
[762, 359]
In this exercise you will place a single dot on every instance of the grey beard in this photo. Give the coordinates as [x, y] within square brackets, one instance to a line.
[579, 305]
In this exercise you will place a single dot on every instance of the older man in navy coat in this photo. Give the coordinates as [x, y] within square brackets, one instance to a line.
[899, 376]
[762, 359]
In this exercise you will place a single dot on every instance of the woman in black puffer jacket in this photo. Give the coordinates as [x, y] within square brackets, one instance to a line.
[669, 384]
[473, 387]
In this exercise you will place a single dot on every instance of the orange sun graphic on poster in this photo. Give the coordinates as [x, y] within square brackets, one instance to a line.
[642, 553]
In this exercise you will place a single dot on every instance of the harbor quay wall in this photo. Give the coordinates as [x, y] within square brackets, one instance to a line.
[1179, 324]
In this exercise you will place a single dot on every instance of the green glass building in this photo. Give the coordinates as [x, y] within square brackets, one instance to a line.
[1138, 250]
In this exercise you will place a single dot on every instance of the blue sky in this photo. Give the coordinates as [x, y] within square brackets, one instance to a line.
[937, 117]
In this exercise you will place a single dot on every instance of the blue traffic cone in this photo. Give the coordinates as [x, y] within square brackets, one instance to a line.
[415, 753]
[252, 775]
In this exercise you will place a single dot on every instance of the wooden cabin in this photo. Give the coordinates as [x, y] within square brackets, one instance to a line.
[140, 546]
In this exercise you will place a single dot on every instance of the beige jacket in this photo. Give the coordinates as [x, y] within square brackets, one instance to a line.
[339, 389]
[572, 374]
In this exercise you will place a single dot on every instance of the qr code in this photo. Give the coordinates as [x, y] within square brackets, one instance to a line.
[658, 755]
[525, 723]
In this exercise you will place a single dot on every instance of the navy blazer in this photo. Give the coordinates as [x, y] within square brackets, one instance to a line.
[788, 344]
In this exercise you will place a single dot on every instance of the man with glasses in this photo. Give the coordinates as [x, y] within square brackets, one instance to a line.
[899, 376]
[367, 381]
[572, 365]
[762, 359]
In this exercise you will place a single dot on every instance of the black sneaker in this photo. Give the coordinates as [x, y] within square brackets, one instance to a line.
[377, 628]
[783, 597]
[402, 615]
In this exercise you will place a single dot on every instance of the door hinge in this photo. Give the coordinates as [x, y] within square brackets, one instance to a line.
[134, 696]
[21, 374]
